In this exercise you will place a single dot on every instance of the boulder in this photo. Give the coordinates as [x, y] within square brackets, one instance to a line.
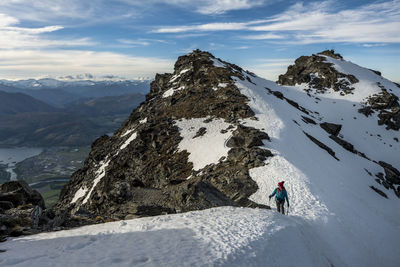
[19, 193]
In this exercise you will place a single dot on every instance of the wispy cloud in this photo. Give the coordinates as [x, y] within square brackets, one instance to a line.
[139, 42]
[318, 22]
[13, 36]
[33, 63]
[222, 6]
[203, 27]
[267, 36]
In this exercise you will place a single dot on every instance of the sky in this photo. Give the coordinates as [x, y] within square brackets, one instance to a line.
[134, 38]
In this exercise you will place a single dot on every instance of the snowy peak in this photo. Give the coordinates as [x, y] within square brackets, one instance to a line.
[318, 74]
[50, 83]
[327, 74]
[185, 148]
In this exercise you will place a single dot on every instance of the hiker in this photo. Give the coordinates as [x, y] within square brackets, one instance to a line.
[280, 197]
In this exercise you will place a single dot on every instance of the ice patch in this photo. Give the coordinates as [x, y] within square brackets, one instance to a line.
[184, 71]
[80, 193]
[143, 121]
[218, 63]
[208, 148]
[127, 132]
[100, 173]
[128, 141]
[168, 93]
[171, 91]
[223, 85]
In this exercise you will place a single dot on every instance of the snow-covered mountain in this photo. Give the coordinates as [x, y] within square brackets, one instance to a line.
[61, 92]
[50, 83]
[211, 135]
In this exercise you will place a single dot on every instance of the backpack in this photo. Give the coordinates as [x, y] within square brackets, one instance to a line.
[280, 195]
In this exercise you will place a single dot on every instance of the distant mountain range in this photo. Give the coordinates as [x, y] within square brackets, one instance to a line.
[14, 103]
[50, 112]
[58, 93]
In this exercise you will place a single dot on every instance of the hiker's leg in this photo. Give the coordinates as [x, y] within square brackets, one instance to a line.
[278, 206]
[283, 207]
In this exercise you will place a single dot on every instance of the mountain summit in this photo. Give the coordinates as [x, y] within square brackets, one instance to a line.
[187, 147]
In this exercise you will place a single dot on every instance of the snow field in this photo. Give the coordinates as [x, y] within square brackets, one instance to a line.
[225, 236]
[331, 197]
[208, 148]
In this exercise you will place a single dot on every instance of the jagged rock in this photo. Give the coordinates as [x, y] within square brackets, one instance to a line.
[308, 120]
[318, 74]
[331, 128]
[392, 174]
[21, 210]
[346, 145]
[380, 192]
[388, 107]
[19, 193]
[140, 170]
[247, 137]
[321, 145]
[331, 53]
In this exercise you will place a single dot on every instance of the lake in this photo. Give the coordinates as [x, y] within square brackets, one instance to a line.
[11, 156]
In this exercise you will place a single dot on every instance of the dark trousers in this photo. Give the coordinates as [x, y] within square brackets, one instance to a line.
[280, 207]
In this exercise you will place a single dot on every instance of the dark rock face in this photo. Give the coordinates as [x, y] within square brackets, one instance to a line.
[140, 170]
[380, 192]
[19, 193]
[322, 145]
[388, 107]
[331, 128]
[390, 179]
[22, 210]
[319, 74]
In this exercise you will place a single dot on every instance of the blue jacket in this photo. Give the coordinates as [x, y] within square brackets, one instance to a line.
[280, 195]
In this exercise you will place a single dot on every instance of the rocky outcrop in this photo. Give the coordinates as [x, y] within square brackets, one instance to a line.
[386, 105]
[322, 145]
[331, 128]
[390, 179]
[318, 74]
[22, 210]
[142, 170]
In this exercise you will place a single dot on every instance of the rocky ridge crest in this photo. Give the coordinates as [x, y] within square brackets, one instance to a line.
[142, 169]
[318, 74]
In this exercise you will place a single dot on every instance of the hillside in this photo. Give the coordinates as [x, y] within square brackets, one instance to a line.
[211, 135]
[78, 124]
[15, 103]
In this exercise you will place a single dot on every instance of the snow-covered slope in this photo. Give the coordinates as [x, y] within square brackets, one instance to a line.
[224, 236]
[335, 219]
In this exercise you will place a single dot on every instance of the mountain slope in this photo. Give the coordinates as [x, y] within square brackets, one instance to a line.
[15, 103]
[212, 134]
[59, 93]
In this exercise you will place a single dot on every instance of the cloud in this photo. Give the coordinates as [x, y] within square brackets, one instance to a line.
[129, 42]
[16, 37]
[266, 36]
[318, 22]
[222, 6]
[18, 64]
[203, 27]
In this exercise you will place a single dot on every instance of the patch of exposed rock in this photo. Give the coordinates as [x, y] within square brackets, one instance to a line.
[22, 210]
[319, 74]
[142, 171]
[386, 105]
